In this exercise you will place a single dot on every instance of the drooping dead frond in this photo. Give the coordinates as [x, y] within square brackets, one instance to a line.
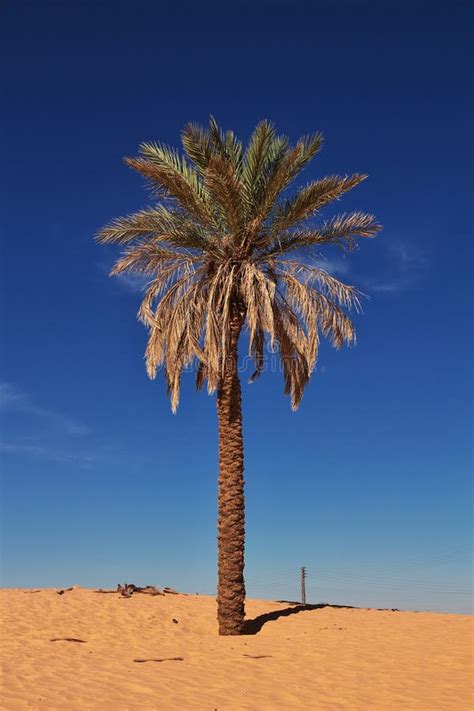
[224, 247]
[256, 351]
[293, 348]
[257, 292]
[344, 294]
[148, 257]
[168, 275]
[312, 304]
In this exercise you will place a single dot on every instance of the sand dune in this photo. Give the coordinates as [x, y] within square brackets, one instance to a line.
[83, 650]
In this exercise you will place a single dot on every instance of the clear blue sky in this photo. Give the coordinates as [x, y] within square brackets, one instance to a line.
[368, 484]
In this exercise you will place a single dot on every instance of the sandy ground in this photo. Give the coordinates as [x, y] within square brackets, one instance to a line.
[326, 658]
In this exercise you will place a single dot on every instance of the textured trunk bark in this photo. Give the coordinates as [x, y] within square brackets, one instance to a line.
[231, 513]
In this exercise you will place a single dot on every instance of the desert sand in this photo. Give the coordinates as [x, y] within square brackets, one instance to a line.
[163, 652]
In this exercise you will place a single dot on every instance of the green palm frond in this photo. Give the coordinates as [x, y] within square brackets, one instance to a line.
[307, 147]
[217, 135]
[311, 198]
[274, 179]
[158, 223]
[234, 151]
[145, 223]
[171, 175]
[340, 231]
[198, 145]
[257, 157]
[286, 164]
[168, 158]
[226, 145]
[224, 189]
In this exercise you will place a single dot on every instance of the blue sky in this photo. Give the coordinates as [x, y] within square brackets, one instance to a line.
[368, 484]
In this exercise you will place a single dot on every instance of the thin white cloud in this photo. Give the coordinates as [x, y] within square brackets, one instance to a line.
[14, 400]
[131, 282]
[405, 268]
[388, 287]
[334, 265]
[50, 453]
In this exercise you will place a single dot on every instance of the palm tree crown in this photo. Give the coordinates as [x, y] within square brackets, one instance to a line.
[224, 245]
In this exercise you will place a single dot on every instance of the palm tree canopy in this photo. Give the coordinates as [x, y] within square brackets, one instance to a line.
[225, 242]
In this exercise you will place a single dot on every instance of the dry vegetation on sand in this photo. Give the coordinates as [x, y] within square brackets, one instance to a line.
[84, 650]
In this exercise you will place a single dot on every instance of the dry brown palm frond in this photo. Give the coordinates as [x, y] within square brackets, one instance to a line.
[201, 375]
[161, 282]
[149, 257]
[346, 295]
[304, 330]
[155, 351]
[159, 323]
[257, 292]
[184, 327]
[312, 304]
[214, 345]
[292, 343]
[256, 351]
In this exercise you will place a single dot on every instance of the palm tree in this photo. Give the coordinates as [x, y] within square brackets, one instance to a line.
[224, 248]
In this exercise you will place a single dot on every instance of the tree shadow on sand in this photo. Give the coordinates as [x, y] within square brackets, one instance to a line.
[254, 626]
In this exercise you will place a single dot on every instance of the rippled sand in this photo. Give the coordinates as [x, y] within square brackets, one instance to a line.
[326, 658]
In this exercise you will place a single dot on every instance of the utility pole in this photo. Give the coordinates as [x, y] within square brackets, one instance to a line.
[303, 585]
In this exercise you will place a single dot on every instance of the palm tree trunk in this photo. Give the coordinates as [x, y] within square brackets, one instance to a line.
[231, 507]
